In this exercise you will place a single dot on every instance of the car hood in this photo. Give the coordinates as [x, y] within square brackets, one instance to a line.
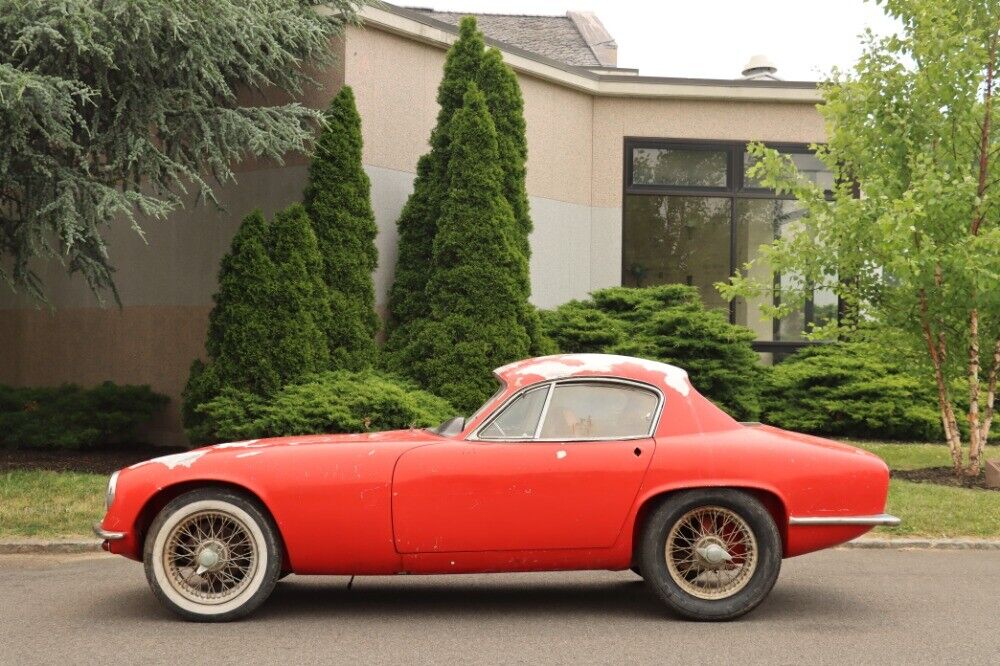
[253, 446]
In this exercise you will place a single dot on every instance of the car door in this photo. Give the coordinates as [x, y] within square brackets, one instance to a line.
[557, 466]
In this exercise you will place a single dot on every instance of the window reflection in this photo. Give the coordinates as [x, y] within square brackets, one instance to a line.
[809, 166]
[760, 222]
[680, 167]
[672, 233]
[670, 239]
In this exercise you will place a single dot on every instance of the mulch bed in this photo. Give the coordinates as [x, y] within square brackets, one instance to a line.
[96, 462]
[942, 476]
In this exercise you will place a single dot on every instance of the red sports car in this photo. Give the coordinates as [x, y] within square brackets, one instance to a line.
[580, 461]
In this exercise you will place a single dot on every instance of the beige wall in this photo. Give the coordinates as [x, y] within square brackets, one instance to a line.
[395, 83]
[574, 183]
[617, 118]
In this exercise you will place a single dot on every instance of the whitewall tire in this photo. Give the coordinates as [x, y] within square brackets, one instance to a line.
[212, 555]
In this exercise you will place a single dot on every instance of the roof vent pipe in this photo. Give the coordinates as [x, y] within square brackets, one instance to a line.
[760, 67]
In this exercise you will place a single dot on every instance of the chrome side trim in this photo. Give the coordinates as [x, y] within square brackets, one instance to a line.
[880, 519]
[106, 535]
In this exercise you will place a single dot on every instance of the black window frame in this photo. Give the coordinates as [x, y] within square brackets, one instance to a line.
[734, 191]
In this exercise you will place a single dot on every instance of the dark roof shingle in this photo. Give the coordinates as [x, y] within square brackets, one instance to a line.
[554, 37]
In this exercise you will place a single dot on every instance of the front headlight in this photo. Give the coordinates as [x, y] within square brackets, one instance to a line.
[109, 495]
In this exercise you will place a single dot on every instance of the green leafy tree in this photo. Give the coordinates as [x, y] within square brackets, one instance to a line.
[666, 323]
[913, 127]
[112, 110]
[338, 201]
[475, 300]
[271, 316]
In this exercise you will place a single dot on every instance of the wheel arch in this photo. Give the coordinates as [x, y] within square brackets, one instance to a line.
[769, 497]
[163, 496]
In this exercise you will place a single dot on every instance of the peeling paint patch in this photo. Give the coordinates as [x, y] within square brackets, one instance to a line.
[246, 444]
[185, 459]
[560, 455]
[569, 365]
[249, 454]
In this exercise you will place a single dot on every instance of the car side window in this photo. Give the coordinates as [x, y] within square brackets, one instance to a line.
[591, 410]
[519, 419]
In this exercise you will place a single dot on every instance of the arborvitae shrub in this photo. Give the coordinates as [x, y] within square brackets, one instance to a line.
[417, 224]
[467, 62]
[271, 316]
[851, 389]
[331, 402]
[666, 323]
[72, 417]
[338, 201]
[476, 302]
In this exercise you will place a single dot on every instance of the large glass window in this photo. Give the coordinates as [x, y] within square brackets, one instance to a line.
[680, 167]
[677, 239]
[692, 215]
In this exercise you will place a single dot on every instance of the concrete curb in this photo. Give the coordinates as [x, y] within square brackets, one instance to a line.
[924, 544]
[49, 546]
[70, 546]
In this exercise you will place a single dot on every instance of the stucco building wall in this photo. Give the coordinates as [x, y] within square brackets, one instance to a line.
[575, 143]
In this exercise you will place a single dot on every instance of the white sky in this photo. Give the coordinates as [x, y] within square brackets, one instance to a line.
[714, 38]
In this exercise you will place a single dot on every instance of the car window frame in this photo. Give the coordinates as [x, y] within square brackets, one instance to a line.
[551, 386]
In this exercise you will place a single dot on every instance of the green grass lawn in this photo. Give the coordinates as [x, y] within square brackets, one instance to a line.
[35, 503]
[64, 504]
[931, 510]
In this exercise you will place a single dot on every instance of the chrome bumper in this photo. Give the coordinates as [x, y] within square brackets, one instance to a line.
[106, 535]
[880, 519]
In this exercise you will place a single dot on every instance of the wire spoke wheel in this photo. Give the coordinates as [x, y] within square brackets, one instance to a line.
[210, 557]
[711, 552]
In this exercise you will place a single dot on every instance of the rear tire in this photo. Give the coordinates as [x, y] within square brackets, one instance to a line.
[212, 555]
[711, 554]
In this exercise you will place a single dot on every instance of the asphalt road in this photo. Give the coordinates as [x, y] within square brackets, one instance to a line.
[842, 606]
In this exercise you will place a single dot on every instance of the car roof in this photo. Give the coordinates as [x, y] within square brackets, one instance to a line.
[562, 366]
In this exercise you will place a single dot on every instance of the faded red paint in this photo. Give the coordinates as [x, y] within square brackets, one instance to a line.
[412, 501]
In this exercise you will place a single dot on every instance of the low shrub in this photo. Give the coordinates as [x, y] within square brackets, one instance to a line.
[866, 388]
[72, 417]
[339, 401]
[851, 389]
[666, 323]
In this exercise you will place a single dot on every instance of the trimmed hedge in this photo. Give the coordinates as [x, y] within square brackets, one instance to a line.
[339, 401]
[666, 323]
[72, 417]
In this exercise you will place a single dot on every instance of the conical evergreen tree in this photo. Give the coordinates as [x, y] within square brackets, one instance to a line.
[474, 296]
[239, 339]
[417, 224]
[338, 201]
[468, 61]
[268, 326]
[503, 97]
[300, 317]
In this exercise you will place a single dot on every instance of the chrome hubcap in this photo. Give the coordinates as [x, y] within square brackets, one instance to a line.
[711, 552]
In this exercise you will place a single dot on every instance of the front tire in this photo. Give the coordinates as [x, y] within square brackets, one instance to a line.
[212, 555]
[711, 554]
